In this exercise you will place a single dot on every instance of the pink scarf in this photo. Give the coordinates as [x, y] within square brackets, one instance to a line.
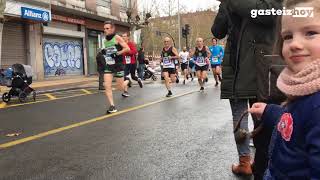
[303, 83]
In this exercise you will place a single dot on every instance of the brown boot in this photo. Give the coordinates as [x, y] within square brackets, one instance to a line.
[244, 166]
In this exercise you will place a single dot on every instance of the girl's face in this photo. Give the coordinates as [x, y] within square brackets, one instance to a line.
[301, 40]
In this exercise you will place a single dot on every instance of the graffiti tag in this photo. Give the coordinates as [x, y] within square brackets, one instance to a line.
[66, 56]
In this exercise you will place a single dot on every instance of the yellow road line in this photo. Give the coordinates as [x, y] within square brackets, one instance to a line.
[86, 91]
[15, 105]
[3, 105]
[55, 131]
[50, 96]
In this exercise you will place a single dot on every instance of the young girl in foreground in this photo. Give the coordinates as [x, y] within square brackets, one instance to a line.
[295, 144]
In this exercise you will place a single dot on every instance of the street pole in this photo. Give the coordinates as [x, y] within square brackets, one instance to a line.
[179, 26]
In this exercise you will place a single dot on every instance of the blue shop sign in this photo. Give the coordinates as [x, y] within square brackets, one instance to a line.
[35, 14]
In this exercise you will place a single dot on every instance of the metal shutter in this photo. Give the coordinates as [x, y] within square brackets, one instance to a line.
[14, 47]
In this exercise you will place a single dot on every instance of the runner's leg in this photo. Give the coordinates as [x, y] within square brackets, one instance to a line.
[108, 88]
[200, 80]
[167, 80]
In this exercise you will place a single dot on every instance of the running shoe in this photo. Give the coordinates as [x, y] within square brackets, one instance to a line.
[112, 109]
[191, 78]
[140, 83]
[217, 84]
[206, 79]
[169, 94]
[202, 89]
[184, 81]
[125, 94]
[177, 80]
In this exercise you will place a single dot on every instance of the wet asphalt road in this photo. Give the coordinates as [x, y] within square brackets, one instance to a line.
[186, 137]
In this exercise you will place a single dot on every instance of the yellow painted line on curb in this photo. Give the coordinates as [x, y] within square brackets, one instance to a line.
[3, 105]
[86, 91]
[58, 130]
[50, 96]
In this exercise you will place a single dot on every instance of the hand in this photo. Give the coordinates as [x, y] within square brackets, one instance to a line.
[114, 55]
[257, 109]
[207, 60]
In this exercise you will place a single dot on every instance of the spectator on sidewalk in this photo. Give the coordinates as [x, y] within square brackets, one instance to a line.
[141, 61]
[101, 65]
[248, 39]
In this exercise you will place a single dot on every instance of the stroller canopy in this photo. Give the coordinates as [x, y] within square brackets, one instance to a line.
[22, 69]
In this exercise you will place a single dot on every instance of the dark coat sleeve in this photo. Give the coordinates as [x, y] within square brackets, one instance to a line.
[219, 28]
[244, 9]
[313, 143]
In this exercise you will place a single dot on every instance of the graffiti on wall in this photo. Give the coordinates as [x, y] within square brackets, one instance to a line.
[62, 58]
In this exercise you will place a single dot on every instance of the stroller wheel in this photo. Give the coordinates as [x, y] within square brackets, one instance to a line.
[22, 97]
[34, 96]
[6, 97]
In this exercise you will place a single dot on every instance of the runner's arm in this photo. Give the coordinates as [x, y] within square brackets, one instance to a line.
[175, 52]
[133, 48]
[123, 44]
[208, 52]
[221, 53]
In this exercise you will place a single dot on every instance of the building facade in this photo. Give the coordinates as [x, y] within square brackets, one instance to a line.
[58, 38]
[200, 26]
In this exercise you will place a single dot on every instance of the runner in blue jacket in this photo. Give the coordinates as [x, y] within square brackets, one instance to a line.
[217, 54]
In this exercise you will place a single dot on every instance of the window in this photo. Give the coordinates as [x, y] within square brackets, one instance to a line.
[104, 3]
[125, 4]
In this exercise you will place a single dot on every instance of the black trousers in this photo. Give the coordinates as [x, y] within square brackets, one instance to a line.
[131, 69]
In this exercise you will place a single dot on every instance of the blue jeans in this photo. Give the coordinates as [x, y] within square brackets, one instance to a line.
[238, 107]
[141, 68]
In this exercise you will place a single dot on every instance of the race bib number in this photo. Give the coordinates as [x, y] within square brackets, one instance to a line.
[128, 59]
[215, 59]
[200, 60]
[109, 60]
[166, 61]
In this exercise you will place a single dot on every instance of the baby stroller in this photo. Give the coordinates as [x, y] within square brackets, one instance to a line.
[18, 77]
[149, 73]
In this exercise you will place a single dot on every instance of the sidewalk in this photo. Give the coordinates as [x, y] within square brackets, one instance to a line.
[60, 84]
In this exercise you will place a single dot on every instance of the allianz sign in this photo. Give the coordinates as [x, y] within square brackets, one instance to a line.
[35, 14]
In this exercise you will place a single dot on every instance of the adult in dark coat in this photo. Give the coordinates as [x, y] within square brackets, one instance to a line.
[101, 65]
[248, 39]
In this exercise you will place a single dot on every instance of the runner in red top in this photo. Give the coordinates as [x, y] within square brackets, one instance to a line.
[129, 60]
